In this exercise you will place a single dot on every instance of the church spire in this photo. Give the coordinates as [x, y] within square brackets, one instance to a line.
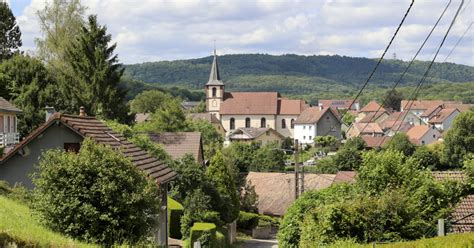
[214, 77]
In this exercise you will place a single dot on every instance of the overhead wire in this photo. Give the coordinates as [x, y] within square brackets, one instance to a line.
[409, 65]
[459, 40]
[425, 75]
[383, 55]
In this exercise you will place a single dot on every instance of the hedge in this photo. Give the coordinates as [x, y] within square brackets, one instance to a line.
[175, 211]
[205, 233]
[248, 221]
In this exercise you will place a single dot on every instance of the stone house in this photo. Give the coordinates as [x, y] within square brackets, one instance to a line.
[260, 135]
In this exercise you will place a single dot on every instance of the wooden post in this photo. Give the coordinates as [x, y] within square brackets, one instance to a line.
[296, 170]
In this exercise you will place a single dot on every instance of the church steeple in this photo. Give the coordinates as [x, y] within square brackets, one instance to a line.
[214, 77]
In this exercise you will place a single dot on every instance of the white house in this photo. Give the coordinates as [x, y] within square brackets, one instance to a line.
[9, 135]
[314, 122]
[444, 118]
[423, 135]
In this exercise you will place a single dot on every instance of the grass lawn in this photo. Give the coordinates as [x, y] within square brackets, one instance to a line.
[17, 224]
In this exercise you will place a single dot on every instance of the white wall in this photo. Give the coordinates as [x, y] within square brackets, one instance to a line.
[431, 136]
[240, 121]
[449, 121]
[288, 131]
[305, 133]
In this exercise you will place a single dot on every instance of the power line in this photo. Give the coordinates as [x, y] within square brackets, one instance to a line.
[417, 89]
[410, 64]
[459, 40]
[381, 58]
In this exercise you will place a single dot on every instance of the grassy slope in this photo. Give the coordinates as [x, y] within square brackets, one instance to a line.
[17, 223]
[465, 240]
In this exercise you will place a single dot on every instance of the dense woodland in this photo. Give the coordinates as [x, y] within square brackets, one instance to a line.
[309, 77]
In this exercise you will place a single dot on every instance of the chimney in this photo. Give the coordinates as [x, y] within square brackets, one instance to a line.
[321, 107]
[49, 112]
[82, 111]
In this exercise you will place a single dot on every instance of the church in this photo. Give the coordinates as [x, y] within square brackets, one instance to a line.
[250, 109]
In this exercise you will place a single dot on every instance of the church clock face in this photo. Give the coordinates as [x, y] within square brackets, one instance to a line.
[214, 103]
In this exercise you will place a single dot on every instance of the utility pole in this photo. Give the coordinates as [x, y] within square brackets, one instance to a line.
[296, 170]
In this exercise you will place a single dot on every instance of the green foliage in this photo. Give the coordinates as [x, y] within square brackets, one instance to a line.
[227, 199]
[10, 35]
[392, 100]
[200, 108]
[95, 195]
[247, 221]
[212, 140]
[240, 156]
[150, 101]
[205, 233]
[459, 140]
[327, 141]
[168, 118]
[190, 177]
[96, 73]
[401, 142]
[322, 74]
[175, 212]
[248, 197]
[30, 87]
[287, 143]
[348, 118]
[427, 158]
[268, 158]
[289, 232]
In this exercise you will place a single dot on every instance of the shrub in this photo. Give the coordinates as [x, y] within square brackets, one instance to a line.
[175, 212]
[96, 195]
[247, 221]
[203, 232]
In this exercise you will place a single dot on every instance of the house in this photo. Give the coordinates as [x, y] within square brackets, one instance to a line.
[261, 135]
[376, 117]
[250, 109]
[316, 121]
[444, 118]
[276, 191]
[423, 135]
[67, 132]
[178, 144]
[9, 135]
[462, 217]
[418, 107]
[340, 104]
[360, 129]
[189, 105]
[375, 142]
[211, 118]
[371, 108]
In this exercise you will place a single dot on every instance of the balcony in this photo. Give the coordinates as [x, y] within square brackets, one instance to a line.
[9, 139]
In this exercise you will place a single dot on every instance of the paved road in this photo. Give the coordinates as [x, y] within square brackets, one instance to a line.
[259, 243]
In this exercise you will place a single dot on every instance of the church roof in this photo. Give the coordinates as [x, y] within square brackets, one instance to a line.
[250, 103]
[214, 77]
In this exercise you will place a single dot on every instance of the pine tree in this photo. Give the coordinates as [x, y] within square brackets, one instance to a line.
[10, 35]
[97, 73]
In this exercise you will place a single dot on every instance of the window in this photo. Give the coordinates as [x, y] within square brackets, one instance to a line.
[247, 122]
[232, 124]
[292, 123]
[309, 127]
[304, 137]
[214, 91]
[310, 137]
[422, 142]
[434, 136]
[283, 123]
[304, 127]
[333, 128]
[263, 122]
[267, 133]
[8, 124]
[72, 147]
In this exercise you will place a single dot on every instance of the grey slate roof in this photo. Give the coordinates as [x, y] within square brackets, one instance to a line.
[7, 106]
[214, 77]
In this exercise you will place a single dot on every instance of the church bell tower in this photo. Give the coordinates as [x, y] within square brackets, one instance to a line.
[214, 89]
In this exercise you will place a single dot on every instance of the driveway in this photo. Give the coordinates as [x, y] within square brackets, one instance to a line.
[259, 243]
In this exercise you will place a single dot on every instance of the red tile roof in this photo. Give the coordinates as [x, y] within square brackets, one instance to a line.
[248, 103]
[441, 116]
[178, 144]
[375, 142]
[449, 175]
[372, 106]
[423, 104]
[373, 116]
[462, 216]
[417, 132]
[291, 107]
[337, 104]
[90, 127]
[345, 177]
[7, 106]
[461, 107]
[368, 128]
[313, 115]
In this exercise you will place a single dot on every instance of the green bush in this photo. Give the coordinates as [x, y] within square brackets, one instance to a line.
[175, 211]
[96, 195]
[247, 221]
[205, 233]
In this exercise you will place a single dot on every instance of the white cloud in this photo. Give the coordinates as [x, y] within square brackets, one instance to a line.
[149, 30]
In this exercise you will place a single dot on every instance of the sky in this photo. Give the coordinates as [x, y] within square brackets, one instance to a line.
[156, 30]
